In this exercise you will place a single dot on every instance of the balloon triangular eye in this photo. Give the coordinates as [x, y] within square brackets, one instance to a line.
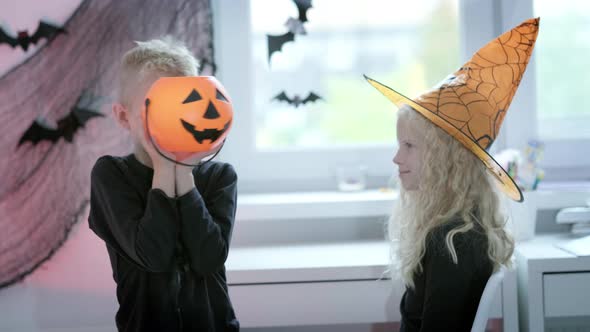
[211, 112]
[192, 97]
[220, 96]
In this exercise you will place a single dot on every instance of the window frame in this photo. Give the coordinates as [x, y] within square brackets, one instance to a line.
[297, 169]
[559, 162]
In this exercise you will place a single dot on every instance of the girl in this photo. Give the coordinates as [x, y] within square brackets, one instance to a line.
[447, 233]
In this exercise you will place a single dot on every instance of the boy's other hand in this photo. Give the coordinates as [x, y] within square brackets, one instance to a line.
[184, 174]
[158, 158]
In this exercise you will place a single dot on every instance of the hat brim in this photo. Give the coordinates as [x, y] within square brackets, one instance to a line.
[504, 181]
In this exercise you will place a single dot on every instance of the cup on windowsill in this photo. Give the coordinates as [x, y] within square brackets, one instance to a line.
[351, 178]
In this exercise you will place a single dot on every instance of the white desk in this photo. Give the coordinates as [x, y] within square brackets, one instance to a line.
[327, 284]
[552, 283]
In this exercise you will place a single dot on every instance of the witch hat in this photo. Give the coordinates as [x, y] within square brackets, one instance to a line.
[471, 103]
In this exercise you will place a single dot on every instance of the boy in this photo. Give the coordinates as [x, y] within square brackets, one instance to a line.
[167, 227]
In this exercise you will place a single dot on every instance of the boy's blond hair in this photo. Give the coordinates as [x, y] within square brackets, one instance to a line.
[156, 57]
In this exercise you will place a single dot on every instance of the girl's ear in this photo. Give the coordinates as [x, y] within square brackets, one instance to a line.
[121, 114]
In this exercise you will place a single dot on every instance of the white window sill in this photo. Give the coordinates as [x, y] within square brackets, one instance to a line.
[304, 205]
[308, 262]
[373, 203]
[558, 195]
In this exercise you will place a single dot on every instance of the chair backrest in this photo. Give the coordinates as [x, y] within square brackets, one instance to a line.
[487, 298]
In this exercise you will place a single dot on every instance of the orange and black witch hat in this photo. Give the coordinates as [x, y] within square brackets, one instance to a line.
[471, 103]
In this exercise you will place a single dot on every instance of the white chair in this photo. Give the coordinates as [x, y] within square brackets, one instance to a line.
[487, 298]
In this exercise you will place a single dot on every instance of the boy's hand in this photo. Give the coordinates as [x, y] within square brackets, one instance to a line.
[164, 170]
[184, 174]
[158, 161]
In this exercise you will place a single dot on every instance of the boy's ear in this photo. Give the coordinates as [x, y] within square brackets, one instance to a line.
[121, 114]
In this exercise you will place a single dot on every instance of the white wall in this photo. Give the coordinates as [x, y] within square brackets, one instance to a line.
[74, 289]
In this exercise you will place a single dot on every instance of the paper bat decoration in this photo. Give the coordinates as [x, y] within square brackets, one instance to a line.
[66, 126]
[23, 39]
[297, 100]
[294, 26]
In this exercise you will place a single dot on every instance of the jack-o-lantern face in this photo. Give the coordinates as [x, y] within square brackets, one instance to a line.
[188, 114]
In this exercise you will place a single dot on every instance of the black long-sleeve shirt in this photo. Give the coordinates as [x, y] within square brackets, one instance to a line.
[446, 295]
[167, 254]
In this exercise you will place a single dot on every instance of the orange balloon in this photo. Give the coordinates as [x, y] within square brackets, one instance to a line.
[187, 114]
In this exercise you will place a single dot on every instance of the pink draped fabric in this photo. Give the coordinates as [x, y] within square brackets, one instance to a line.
[44, 188]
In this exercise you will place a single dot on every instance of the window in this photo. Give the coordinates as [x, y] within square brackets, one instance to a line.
[563, 74]
[551, 104]
[411, 44]
[279, 147]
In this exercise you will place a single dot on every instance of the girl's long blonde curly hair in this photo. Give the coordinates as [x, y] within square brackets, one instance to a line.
[454, 184]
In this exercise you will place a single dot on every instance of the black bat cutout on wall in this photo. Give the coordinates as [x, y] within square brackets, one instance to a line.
[297, 100]
[66, 126]
[294, 25]
[23, 39]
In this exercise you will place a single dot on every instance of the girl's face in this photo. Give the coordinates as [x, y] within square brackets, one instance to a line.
[408, 156]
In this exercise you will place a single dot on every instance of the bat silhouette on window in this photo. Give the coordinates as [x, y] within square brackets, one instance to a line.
[294, 26]
[297, 100]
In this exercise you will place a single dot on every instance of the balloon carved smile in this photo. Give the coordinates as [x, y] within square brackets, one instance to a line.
[201, 135]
